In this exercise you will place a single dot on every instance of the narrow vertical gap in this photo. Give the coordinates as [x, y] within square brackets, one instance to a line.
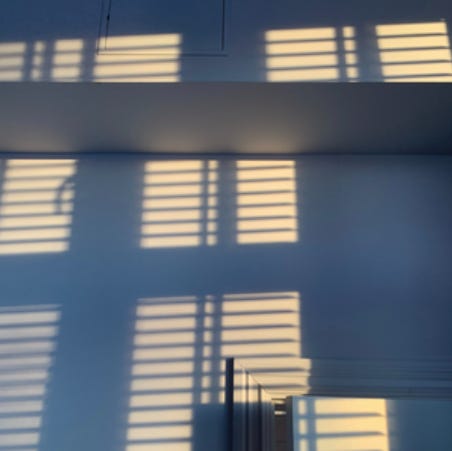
[226, 201]
[341, 52]
[28, 62]
[88, 60]
[2, 174]
[216, 352]
[311, 426]
[369, 65]
[47, 55]
[198, 357]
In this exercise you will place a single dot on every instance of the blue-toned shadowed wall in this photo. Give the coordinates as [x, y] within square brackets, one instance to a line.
[125, 281]
[226, 40]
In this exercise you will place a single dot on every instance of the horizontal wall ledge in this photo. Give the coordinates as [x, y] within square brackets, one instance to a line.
[227, 118]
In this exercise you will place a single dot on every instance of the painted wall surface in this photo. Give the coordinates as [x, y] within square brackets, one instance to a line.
[126, 281]
[226, 40]
[327, 424]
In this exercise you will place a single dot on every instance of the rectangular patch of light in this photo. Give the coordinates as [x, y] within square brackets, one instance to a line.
[348, 53]
[310, 54]
[415, 52]
[12, 59]
[67, 60]
[140, 58]
[163, 371]
[331, 424]
[179, 204]
[27, 346]
[266, 201]
[36, 204]
[179, 348]
[261, 327]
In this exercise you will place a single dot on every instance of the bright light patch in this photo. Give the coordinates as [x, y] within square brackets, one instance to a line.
[310, 54]
[146, 58]
[27, 345]
[67, 60]
[162, 386]
[12, 59]
[266, 201]
[180, 345]
[36, 205]
[179, 204]
[415, 52]
[332, 424]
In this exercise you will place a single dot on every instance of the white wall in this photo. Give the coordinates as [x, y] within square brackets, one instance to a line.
[328, 41]
[324, 424]
[354, 265]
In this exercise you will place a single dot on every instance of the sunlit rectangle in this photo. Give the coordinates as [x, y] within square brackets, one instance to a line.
[144, 43]
[45, 247]
[157, 324]
[180, 398]
[21, 439]
[342, 406]
[266, 202]
[22, 391]
[34, 234]
[371, 441]
[12, 60]
[171, 368]
[163, 338]
[402, 29]
[179, 348]
[413, 42]
[162, 386]
[151, 416]
[179, 204]
[27, 345]
[300, 48]
[160, 432]
[164, 383]
[139, 58]
[25, 362]
[415, 51]
[416, 69]
[310, 54]
[28, 332]
[304, 75]
[335, 424]
[26, 422]
[177, 445]
[67, 60]
[271, 323]
[25, 375]
[281, 62]
[36, 203]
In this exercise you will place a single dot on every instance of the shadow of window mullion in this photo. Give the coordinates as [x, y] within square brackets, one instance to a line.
[216, 351]
[88, 58]
[44, 69]
[28, 62]
[341, 55]
[227, 201]
[2, 176]
[197, 382]
[367, 52]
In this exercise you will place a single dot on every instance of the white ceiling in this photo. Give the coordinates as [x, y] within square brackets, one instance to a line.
[226, 118]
